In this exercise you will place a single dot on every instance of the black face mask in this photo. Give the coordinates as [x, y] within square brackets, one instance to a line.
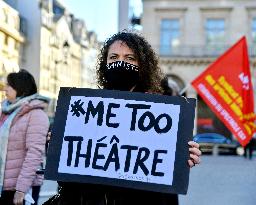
[121, 75]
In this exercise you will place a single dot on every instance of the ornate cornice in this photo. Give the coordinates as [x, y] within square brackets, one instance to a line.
[195, 61]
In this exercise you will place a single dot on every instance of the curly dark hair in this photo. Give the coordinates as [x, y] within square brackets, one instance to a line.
[149, 70]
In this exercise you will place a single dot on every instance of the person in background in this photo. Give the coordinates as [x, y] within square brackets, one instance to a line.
[136, 70]
[170, 89]
[23, 129]
[248, 149]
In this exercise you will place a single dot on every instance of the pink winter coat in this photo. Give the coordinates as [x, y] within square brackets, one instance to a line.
[26, 147]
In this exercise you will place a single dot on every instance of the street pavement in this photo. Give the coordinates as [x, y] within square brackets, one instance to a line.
[48, 189]
[218, 180]
[222, 180]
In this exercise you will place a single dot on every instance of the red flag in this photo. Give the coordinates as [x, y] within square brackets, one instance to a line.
[226, 87]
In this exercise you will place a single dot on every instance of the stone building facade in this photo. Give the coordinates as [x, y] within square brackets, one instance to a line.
[55, 51]
[11, 41]
[189, 35]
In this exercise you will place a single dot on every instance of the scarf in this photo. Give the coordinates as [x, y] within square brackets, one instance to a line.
[12, 109]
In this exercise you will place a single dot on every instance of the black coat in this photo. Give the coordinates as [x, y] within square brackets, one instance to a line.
[91, 194]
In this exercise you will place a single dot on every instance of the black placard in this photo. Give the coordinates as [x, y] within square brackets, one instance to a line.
[122, 139]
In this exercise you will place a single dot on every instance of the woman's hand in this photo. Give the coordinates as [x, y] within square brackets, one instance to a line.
[194, 154]
[18, 198]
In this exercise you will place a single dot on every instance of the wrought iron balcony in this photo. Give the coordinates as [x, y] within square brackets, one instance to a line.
[198, 51]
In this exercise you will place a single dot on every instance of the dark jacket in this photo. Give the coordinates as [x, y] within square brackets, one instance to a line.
[91, 194]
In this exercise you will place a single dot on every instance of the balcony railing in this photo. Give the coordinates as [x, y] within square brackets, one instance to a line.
[198, 51]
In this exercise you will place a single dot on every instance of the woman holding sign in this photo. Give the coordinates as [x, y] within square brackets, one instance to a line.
[127, 63]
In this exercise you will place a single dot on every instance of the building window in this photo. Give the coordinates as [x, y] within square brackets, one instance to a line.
[16, 23]
[215, 31]
[170, 36]
[254, 30]
[17, 45]
[5, 16]
[23, 25]
[6, 40]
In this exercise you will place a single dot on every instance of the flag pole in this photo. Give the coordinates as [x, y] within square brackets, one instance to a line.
[184, 89]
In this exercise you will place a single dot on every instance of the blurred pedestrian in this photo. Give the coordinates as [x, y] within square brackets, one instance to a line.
[136, 70]
[248, 149]
[23, 129]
